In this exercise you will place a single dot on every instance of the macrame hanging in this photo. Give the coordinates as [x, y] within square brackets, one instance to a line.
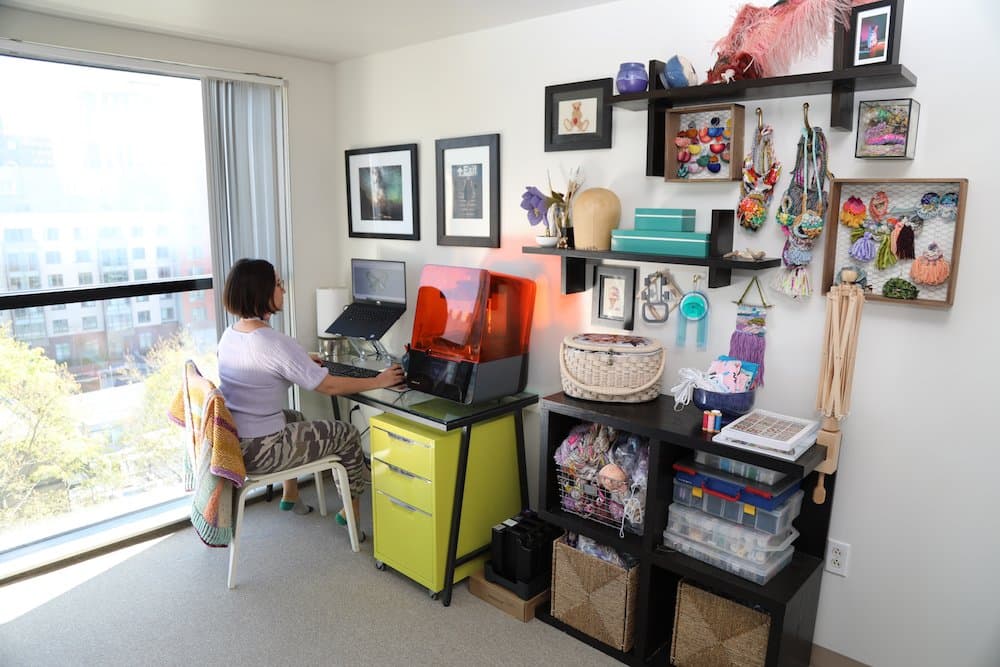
[693, 306]
[747, 342]
[800, 214]
[761, 171]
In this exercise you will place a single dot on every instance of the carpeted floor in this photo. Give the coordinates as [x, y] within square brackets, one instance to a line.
[302, 597]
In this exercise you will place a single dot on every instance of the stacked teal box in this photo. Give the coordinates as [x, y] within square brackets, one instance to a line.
[665, 219]
[680, 244]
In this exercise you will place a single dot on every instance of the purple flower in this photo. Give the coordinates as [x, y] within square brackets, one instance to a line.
[536, 204]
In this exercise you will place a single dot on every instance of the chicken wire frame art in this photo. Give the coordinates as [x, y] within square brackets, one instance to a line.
[936, 207]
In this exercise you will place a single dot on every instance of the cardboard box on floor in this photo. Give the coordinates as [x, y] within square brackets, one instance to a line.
[505, 600]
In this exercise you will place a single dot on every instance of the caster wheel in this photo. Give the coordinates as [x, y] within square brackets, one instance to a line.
[379, 565]
[434, 595]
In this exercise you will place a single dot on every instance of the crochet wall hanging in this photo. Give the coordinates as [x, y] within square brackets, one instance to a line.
[800, 214]
[705, 140]
[899, 239]
[693, 307]
[761, 171]
[747, 341]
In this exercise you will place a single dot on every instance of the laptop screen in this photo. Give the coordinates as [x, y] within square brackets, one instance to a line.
[379, 281]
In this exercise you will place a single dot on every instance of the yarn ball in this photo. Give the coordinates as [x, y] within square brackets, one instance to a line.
[678, 73]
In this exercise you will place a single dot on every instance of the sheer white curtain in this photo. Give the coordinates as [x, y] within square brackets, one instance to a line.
[244, 127]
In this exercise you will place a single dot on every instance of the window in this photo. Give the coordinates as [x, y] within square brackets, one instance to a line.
[60, 326]
[53, 257]
[143, 317]
[198, 314]
[162, 252]
[51, 234]
[119, 276]
[63, 351]
[139, 274]
[85, 278]
[138, 253]
[56, 280]
[18, 235]
[89, 323]
[167, 314]
[82, 256]
[163, 272]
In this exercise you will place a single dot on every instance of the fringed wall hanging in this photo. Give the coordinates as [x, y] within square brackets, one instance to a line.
[761, 171]
[693, 306]
[800, 214]
[747, 342]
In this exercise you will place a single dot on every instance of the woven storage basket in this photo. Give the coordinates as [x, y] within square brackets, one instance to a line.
[594, 596]
[612, 367]
[711, 631]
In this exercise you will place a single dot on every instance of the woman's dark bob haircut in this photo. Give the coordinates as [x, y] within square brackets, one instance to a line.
[249, 289]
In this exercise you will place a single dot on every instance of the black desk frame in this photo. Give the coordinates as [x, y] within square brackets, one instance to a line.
[491, 410]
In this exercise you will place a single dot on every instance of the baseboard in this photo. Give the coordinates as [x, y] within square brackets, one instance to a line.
[824, 657]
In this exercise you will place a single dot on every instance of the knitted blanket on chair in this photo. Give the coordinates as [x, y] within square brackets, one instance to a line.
[213, 460]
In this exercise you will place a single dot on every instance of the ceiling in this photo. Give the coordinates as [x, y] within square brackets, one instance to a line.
[326, 30]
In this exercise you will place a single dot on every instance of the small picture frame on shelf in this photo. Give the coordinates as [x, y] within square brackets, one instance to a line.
[578, 115]
[614, 296]
[874, 33]
[468, 191]
[382, 193]
[900, 239]
[704, 144]
[887, 129]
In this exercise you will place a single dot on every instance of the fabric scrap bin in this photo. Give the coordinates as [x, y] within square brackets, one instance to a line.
[776, 522]
[711, 631]
[594, 596]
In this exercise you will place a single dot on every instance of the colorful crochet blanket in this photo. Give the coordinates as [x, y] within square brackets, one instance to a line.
[213, 460]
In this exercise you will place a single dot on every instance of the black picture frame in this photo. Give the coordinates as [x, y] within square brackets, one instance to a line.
[886, 16]
[614, 297]
[382, 195]
[468, 191]
[578, 115]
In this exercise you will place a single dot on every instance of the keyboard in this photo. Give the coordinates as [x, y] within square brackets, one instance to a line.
[346, 370]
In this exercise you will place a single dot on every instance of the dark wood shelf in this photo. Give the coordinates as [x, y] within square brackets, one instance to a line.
[717, 262]
[631, 543]
[543, 613]
[839, 83]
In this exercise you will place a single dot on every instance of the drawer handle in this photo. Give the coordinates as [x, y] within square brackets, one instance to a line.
[405, 441]
[405, 473]
[401, 504]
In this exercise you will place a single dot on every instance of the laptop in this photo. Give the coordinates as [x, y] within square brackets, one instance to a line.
[378, 299]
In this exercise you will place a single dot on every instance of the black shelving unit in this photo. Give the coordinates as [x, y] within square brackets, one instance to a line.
[576, 264]
[790, 599]
[840, 84]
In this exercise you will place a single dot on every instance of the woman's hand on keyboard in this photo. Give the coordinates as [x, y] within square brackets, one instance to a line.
[391, 376]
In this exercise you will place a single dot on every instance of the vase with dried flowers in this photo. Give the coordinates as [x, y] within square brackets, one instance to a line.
[558, 231]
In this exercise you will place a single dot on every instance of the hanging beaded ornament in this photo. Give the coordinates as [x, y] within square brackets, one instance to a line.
[760, 173]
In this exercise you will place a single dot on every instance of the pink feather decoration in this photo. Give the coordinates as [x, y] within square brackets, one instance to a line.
[789, 30]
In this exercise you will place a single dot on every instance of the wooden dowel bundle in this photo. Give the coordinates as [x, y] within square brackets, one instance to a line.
[840, 339]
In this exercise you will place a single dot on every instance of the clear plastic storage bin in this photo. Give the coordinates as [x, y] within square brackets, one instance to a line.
[740, 468]
[730, 538]
[759, 574]
[776, 522]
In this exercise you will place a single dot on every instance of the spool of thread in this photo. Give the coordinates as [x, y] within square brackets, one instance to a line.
[706, 420]
[330, 303]
[717, 420]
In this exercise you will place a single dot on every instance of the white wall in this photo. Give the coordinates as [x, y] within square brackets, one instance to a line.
[922, 588]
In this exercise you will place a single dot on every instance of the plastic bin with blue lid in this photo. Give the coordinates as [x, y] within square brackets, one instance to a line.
[757, 573]
[728, 537]
[777, 521]
[734, 487]
[734, 467]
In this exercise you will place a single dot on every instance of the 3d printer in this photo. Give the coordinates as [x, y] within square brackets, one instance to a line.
[471, 331]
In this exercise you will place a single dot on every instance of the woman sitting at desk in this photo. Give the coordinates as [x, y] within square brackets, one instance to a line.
[257, 365]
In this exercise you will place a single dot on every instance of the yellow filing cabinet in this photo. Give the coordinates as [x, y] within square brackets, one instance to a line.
[414, 468]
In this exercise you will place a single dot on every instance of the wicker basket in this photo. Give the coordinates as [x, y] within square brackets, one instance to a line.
[612, 367]
[711, 631]
[594, 596]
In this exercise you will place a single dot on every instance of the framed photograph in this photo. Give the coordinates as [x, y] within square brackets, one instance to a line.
[898, 238]
[382, 193]
[614, 296]
[875, 32]
[887, 129]
[578, 115]
[468, 191]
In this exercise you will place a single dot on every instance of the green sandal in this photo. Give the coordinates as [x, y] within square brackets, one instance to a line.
[342, 521]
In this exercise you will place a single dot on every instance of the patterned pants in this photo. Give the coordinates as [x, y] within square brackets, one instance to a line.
[303, 441]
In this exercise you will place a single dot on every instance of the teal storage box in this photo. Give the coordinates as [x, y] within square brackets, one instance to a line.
[665, 219]
[680, 244]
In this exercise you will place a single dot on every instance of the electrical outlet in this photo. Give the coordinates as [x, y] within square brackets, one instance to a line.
[838, 557]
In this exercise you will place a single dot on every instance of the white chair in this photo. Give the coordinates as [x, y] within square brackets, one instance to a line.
[331, 463]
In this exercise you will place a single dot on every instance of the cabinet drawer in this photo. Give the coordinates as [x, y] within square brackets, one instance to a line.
[402, 451]
[403, 485]
[404, 538]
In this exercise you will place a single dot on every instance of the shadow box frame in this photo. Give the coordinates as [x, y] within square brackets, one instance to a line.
[904, 196]
[603, 312]
[475, 162]
[675, 121]
[362, 218]
[559, 102]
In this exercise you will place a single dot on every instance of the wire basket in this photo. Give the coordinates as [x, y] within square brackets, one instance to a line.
[610, 502]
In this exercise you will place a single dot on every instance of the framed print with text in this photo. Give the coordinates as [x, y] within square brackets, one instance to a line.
[382, 193]
[468, 191]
